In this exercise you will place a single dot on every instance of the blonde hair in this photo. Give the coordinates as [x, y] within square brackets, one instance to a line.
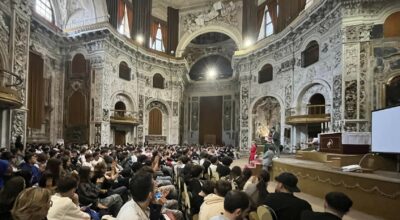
[32, 203]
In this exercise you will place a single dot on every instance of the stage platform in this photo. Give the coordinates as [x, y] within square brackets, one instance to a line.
[376, 193]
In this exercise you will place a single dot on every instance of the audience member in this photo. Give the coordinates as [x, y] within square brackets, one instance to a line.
[337, 204]
[32, 203]
[223, 168]
[236, 206]
[4, 169]
[29, 165]
[257, 189]
[8, 195]
[214, 203]
[89, 193]
[142, 188]
[285, 205]
[66, 202]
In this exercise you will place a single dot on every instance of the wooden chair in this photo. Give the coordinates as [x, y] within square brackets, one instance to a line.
[266, 213]
[253, 216]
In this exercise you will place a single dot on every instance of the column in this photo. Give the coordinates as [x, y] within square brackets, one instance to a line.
[19, 51]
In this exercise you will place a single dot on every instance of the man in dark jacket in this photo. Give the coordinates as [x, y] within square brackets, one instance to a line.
[337, 204]
[285, 205]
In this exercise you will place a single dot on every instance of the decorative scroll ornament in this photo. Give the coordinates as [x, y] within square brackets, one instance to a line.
[218, 13]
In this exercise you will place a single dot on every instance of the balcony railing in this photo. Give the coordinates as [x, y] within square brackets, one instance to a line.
[9, 91]
[123, 117]
[313, 114]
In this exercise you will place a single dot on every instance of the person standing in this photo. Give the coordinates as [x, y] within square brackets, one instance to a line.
[253, 151]
[276, 138]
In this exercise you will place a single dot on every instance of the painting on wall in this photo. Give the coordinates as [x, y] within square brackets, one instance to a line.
[266, 114]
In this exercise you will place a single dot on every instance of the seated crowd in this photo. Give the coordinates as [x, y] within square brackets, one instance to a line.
[152, 182]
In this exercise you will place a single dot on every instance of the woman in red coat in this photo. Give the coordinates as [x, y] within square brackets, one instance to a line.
[253, 151]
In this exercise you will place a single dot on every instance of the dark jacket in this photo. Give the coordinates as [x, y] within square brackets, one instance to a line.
[223, 170]
[310, 215]
[286, 205]
[194, 187]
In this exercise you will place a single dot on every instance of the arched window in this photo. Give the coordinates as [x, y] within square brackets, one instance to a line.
[267, 28]
[124, 71]
[317, 104]
[155, 122]
[120, 108]
[265, 74]
[44, 9]
[79, 64]
[391, 27]
[124, 26]
[158, 44]
[310, 55]
[158, 81]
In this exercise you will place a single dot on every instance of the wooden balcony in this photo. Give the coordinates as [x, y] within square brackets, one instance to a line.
[316, 114]
[9, 95]
[123, 117]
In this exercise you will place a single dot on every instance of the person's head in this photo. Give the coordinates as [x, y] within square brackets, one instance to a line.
[66, 162]
[196, 170]
[184, 159]
[54, 166]
[32, 203]
[30, 158]
[84, 174]
[67, 185]
[100, 168]
[338, 202]
[264, 176]
[236, 205]
[11, 190]
[247, 173]
[214, 160]
[227, 161]
[286, 182]
[142, 187]
[88, 157]
[236, 171]
[207, 188]
[222, 187]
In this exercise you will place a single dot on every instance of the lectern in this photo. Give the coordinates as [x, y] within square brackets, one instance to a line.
[345, 143]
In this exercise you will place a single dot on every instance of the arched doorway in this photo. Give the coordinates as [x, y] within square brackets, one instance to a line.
[119, 134]
[155, 122]
[393, 92]
[316, 106]
[266, 114]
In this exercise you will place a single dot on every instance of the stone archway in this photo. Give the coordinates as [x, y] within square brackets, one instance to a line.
[165, 117]
[266, 113]
[233, 33]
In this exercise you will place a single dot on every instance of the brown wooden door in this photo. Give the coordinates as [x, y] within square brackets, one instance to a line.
[120, 137]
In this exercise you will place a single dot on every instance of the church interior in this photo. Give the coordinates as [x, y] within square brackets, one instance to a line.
[314, 83]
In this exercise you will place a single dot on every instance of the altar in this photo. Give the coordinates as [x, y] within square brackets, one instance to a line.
[345, 143]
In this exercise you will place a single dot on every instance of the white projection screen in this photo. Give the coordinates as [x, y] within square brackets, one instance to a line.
[386, 130]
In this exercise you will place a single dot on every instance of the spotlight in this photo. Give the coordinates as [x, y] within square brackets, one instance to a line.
[211, 73]
[248, 42]
[140, 39]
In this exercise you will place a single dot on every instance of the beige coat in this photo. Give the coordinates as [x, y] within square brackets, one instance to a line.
[64, 209]
[213, 205]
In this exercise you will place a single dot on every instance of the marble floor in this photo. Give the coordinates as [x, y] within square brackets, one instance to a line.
[316, 202]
